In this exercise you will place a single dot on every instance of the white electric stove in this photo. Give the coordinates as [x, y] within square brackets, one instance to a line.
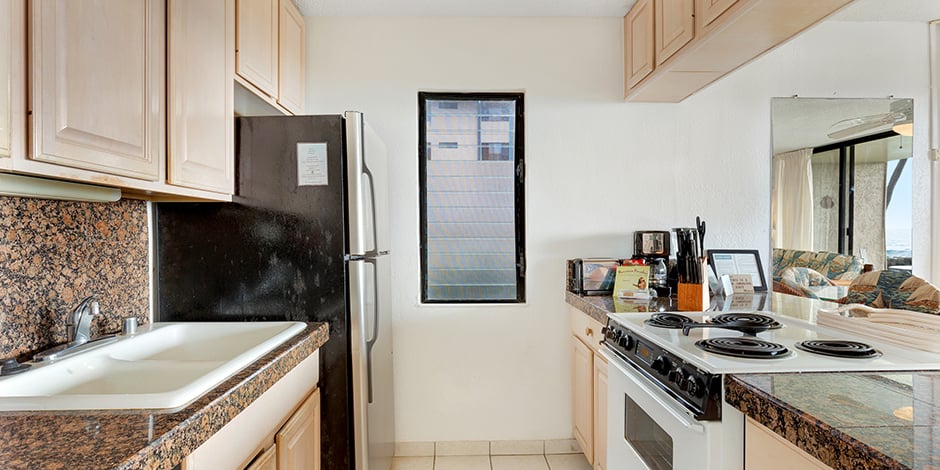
[665, 385]
[792, 331]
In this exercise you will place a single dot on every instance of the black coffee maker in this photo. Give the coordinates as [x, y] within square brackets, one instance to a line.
[653, 247]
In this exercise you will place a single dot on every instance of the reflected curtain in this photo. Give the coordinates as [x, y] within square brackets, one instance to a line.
[792, 203]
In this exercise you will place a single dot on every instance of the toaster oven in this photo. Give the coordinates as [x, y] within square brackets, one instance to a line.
[592, 276]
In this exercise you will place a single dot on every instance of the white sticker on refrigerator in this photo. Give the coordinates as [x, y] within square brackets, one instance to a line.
[311, 164]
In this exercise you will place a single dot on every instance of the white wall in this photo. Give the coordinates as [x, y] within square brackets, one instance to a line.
[598, 169]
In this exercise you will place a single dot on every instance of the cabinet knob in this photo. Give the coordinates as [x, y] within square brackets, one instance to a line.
[589, 332]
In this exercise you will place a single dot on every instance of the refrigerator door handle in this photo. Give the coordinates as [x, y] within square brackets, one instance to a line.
[370, 342]
[375, 232]
[367, 188]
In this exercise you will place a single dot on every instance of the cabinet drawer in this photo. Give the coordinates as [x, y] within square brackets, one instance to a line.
[585, 328]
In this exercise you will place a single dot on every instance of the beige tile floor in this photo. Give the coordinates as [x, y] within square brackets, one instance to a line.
[493, 462]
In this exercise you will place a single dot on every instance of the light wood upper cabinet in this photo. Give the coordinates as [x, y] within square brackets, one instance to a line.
[673, 28]
[298, 442]
[200, 57]
[12, 80]
[709, 10]
[583, 397]
[726, 34]
[269, 57]
[97, 85]
[256, 38]
[291, 58]
[600, 412]
[638, 43]
[6, 76]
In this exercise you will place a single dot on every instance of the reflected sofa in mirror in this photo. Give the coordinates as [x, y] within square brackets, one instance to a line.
[842, 191]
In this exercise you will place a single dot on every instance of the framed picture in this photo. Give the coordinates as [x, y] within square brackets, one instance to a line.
[738, 262]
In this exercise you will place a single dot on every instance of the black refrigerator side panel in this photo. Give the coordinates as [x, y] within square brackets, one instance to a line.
[275, 253]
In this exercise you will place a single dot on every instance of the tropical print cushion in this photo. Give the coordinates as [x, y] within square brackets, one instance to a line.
[894, 289]
[831, 265]
[797, 289]
[800, 276]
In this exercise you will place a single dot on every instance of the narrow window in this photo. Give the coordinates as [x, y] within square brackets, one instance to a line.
[472, 200]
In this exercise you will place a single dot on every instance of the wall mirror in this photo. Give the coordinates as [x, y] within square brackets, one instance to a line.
[842, 178]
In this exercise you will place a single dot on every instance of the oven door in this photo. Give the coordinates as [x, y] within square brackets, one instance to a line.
[648, 429]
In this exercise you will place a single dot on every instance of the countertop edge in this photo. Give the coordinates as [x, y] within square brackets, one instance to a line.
[827, 444]
[583, 304]
[215, 409]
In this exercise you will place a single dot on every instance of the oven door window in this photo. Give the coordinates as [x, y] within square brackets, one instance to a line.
[647, 438]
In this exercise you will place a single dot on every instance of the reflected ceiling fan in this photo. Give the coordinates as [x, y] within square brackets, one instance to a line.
[899, 118]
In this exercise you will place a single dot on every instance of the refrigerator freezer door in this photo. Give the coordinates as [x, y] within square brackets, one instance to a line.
[367, 180]
[373, 386]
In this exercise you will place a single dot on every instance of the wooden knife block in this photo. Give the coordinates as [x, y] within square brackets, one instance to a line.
[693, 297]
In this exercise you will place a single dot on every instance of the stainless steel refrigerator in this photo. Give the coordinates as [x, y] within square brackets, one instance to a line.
[305, 238]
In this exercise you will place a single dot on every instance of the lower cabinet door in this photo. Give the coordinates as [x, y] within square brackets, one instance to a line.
[600, 413]
[583, 397]
[266, 461]
[766, 450]
[298, 442]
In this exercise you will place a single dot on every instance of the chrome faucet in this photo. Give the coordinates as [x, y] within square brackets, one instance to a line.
[78, 323]
[78, 332]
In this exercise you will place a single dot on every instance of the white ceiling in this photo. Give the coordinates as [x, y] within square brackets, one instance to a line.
[860, 10]
[804, 122]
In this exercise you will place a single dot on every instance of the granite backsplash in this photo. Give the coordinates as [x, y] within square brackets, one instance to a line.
[54, 253]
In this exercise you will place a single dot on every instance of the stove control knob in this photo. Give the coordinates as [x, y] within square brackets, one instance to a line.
[661, 364]
[677, 376]
[605, 332]
[695, 387]
[626, 342]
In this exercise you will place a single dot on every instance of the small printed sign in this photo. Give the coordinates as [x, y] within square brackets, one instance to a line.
[311, 164]
[737, 284]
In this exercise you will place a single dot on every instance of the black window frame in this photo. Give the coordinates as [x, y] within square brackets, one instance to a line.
[846, 221]
[519, 199]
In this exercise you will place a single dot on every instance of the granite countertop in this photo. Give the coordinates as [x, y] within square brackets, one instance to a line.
[848, 420]
[127, 439]
[853, 421]
[594, 306]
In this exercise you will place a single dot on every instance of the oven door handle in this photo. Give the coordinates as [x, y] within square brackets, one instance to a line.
[661, 397]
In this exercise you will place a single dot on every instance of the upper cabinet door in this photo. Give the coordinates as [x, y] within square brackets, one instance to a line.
[638, 42]
[256, 43]
[201, 58]
[707, 11]
[12, 69]
[674, 27]
[97, 85]
[291, 64]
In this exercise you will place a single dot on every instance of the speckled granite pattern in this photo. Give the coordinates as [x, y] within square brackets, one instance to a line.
[54, 253]
[596, 307]
[142, 440]
[848, 420]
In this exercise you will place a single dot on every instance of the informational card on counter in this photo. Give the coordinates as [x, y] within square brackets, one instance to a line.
[730, 262]
[311, 164]
[737, 284]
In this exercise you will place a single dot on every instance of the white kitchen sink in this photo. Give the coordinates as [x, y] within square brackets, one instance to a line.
[165, 366]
